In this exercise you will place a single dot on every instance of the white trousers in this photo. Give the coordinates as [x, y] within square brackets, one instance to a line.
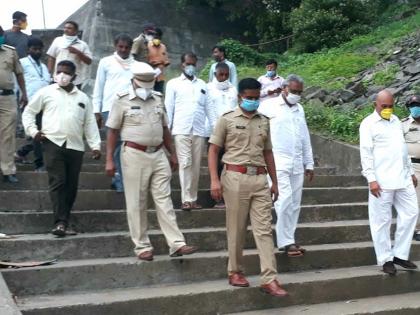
[380, 219]
[145, 173]
[189, 150]
[416, 168]
[288, 206]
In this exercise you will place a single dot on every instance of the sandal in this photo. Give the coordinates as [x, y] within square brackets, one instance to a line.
[293, 251]
[186, 206]
[302, 250]
[195, 205]
[59, 230]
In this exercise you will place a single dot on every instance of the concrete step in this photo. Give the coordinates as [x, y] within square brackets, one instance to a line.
[92, 180]
[118, 244]
[108, 199]
[33, 222]
[126, 272]
[200, 298]
[396, 304]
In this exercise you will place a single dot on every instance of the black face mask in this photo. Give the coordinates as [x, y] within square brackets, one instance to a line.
[36, 56]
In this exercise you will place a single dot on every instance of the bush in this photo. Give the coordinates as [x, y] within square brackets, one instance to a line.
[239, 53]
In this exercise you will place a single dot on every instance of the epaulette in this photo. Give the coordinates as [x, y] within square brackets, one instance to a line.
[156, 93]
[122, 94]
[262, 115]
[406, 118]
[228, 112]
[8, 46]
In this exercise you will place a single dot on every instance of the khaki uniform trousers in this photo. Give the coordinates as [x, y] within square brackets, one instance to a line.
[143, 173]
[249, 195]
[8, 116]
[189, 150]
[416, 168]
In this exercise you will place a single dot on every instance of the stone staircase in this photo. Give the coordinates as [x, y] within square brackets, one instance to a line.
[96, 273]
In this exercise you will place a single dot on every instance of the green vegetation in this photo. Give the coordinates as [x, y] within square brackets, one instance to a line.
[385, 76]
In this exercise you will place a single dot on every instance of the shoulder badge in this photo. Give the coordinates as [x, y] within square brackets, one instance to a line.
[122, 94]
[156, 93]
[406, 118]
[8, 46]
[228, 112]
[264, 116]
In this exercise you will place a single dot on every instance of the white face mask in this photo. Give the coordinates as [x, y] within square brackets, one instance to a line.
[224, 85]
[69, 40]
[149, 38]
[62, 79]
[143, 93]
[292, 98]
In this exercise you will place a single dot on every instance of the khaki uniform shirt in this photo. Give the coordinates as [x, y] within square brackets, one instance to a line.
[244, 139]
[411, 130]
[9, 65]
[158, 58]
[139, 48]
[140, 121]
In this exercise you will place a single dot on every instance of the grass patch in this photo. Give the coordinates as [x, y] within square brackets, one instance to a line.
[385, 76]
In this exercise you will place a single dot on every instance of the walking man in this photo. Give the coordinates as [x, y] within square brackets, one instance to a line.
[387, 168]
[139, 116]
[67, 118]
[158, 58]
[186, 101]
[293, 156]
[219, 55]
[245, 135]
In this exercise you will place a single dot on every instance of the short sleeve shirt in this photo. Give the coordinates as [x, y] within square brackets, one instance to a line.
[140, 121]
[244, 139]
[412, 136]
[9, 66]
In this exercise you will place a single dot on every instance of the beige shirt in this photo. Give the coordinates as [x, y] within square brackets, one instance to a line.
[140, 121]
[66, 117]
[244, 139]
[9, 66]
[411, 130]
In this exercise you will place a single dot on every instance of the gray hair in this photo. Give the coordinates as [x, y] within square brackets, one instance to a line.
[292, 78]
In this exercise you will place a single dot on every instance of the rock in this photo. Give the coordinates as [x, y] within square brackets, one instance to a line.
[397, 90]
[371, 90]
[347, 95]
[310, 90]
[358, 88]
[368, 76]
[397, 51]
[319, 94]
[330, 100]
[412, 68]
[360, 102]
[415, 78]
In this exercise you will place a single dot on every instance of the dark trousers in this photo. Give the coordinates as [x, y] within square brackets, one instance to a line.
[34, 146]
[63, 167]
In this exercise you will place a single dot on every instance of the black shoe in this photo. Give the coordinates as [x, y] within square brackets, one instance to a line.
[10, 179]
[389, 268]
[404, 263]
[416, 236]
[59, 230]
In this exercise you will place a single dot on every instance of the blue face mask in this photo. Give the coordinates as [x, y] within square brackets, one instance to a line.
[415, 111]
[250, 105]
[270, 73]
[1, 40]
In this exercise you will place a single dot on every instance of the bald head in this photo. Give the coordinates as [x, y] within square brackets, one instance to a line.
[384, 99]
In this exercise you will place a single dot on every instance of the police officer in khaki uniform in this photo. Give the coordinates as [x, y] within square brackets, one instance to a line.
[411, 127]
[9, 67]
[245, 136]
[139, 116]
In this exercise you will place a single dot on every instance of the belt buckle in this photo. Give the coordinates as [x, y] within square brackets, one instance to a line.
[251, 170]
[150, 149]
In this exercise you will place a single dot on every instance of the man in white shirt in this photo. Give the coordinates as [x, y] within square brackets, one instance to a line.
[186, 102]
[223, 97]
[387, 168]
[36, 77]
[271, 82]
[67, 119]
[219, 55]
[293, 158]
[113, 76]
[70, 47]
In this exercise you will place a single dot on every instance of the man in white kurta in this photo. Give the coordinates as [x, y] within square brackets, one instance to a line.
[387, 167]
[293, 158]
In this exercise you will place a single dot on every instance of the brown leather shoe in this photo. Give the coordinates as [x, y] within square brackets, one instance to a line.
[238, 279]
[184, 250]
[147, 255]
[273, 288]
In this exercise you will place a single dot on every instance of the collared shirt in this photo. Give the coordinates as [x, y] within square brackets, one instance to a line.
[383, 152]
[157, 57]
[220, 101]
[233, 75]
[269, 84]
[112, 77]
[289, 134]
[36, 75]
[186, 103]
[59, 51]
[9, 66]
[244, 139]
[411, 130]
[66, 117]
[140, 121]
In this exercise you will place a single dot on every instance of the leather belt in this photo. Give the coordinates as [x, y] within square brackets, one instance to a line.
[249, 170]
[144, 148]
[415, 160]
[6, 92]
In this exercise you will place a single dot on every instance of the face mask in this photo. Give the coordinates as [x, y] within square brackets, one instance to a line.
[415, 111]
[292, 98]
[143, 93]
[148, 38]
[1, 40]
[270, 73]
[189, 70]
[156, 42]
[70, 38]
[386, 113]
[224, 85]
[250, 105]
[62, 79]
